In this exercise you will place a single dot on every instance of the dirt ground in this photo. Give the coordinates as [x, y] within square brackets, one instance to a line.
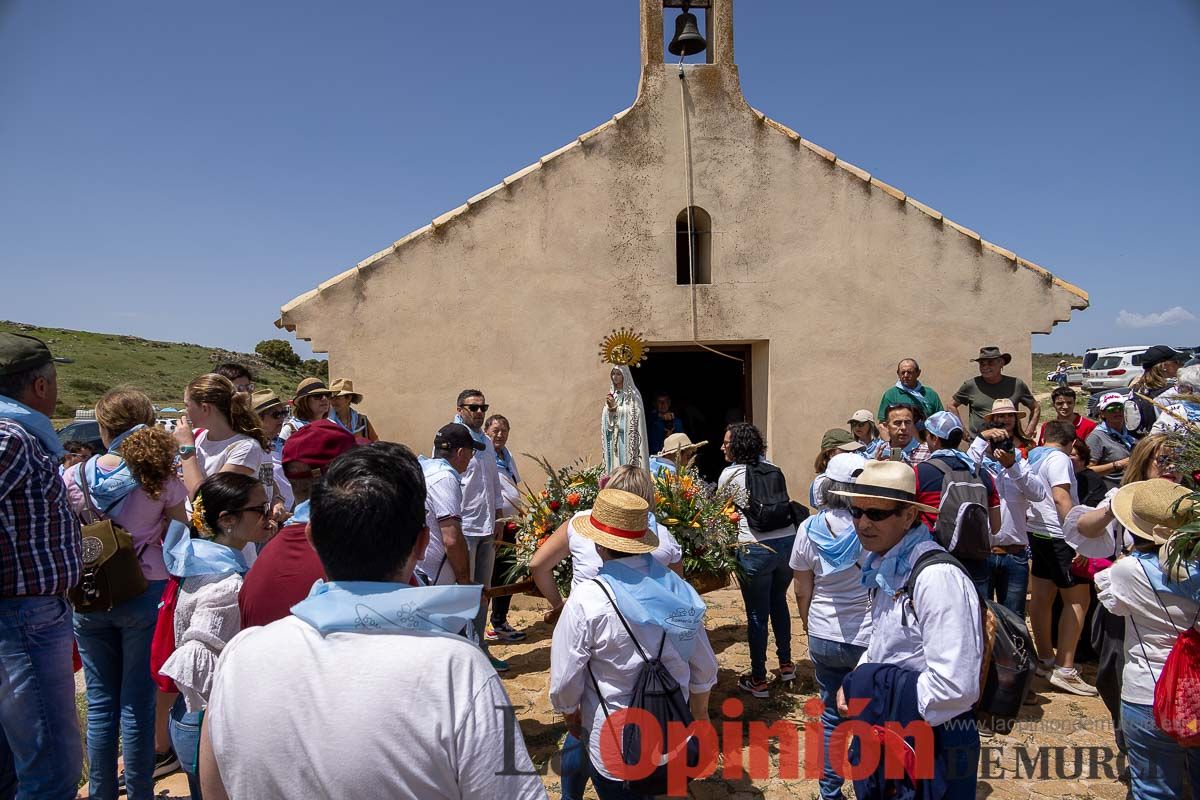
[1071, 727]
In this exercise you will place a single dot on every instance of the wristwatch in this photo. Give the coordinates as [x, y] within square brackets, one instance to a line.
[187, 450]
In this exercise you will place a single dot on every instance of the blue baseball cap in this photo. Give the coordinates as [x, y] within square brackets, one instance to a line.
[943, 423]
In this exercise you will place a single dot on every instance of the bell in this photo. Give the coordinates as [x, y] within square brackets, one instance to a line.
[687, 40]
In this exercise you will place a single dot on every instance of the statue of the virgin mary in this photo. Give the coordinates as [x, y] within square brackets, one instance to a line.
[623, 423]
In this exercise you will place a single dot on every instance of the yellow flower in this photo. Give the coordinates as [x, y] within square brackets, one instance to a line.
[695, 524]
[671, 521]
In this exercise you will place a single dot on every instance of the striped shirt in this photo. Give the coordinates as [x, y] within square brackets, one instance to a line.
[39, 536]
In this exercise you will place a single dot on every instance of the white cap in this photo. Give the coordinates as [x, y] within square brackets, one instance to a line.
[1110, 398]
[841, 468]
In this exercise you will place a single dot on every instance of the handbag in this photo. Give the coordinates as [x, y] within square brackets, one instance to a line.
[111, 571]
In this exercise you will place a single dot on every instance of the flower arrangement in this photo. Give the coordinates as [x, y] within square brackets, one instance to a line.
[1183, 549]
[703, 519]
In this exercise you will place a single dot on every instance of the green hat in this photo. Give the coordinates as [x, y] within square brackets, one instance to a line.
[21, 353]
[839, 438]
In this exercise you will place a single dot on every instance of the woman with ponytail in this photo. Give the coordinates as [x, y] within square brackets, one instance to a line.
[229, 511]
[135, 486]
[232, 439]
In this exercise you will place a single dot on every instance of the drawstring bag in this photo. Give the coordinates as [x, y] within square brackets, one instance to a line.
[163, 643]
[1177, 689]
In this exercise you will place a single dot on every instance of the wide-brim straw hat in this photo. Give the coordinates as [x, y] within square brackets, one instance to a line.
[1004, 406]
[311, 387]
[993, 352]
[344, 387]
[887, 480]
[264, 400]
[1157, 503]
[620, 521]
[680, 442]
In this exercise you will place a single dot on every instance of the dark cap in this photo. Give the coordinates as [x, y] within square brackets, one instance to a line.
[21, 353]
[453, 436]
[1160, 353]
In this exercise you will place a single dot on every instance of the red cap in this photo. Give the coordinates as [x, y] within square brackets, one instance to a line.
[317, 444]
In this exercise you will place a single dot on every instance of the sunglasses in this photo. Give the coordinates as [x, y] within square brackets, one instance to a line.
[874, 514]
[476, 407]
[280, 414]
[262, 510]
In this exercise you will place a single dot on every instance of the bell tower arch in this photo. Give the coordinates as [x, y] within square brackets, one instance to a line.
[718, 29]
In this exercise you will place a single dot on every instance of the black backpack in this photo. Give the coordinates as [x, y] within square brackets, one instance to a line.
[768, 508]
[962, 522]
[1009, 657]
[657, 693]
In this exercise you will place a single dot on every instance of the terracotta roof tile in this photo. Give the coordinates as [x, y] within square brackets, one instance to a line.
[965, 231]
[859, 172]
[922, 207]
[887, 187]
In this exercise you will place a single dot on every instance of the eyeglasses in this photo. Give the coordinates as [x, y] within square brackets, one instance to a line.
[476, 407]
[280, 414]
[874, 514]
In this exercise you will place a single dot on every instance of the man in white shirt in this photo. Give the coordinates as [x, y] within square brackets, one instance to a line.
[365, 691]
[1052, 560]
[935, 631]
[446, 558]
[482, 494]
[592, 648]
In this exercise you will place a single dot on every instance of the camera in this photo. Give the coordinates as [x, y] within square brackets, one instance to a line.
[1005, 444]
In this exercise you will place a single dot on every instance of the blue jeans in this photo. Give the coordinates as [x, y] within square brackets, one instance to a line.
[1157, 764]
[959, 745]
[833, 662]
[765, 578]
[185, 738]
[40, 751]
[115, 649]
[608, 789]
[481, 555]
[1008, 579]
[576, 767]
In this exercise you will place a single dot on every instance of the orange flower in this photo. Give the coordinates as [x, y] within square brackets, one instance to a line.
[573, 499]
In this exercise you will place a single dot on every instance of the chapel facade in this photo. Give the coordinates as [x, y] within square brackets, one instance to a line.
[772, 280]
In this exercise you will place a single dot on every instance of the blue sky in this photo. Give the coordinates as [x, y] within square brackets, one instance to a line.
[180, 170]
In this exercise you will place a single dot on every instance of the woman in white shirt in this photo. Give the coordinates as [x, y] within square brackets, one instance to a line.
[835, 608]
[763, 561]
[310, 404]
[229, 511]
[1136, 588]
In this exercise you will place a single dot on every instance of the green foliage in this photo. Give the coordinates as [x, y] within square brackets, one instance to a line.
[278, 352]
[316, 368]
[160, 369]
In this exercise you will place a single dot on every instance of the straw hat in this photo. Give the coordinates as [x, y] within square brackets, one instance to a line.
[344, 387]
[1004, 406]
[681, 443]
[1145, 507]
[887, 480]
[265, 400]
[310, 387]
[619, 521]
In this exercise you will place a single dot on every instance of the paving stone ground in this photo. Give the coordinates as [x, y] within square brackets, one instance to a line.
[1071, 726]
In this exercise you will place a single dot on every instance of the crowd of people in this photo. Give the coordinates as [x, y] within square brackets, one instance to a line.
[269, 578]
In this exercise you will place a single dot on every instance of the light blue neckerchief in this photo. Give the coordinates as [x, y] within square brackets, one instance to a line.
[648, 593]
[958, 455]
[658, 464]
[873, 448]
[1038, 453]
[35, 422]
[1189, 589]
[1121, 436]
[504, 461]
[186, 555]
[108, 490]
[994, 467]
[890, 570]
[917, 394]
[354, 421]
[836, 553]
[299, 515]
[379, 607]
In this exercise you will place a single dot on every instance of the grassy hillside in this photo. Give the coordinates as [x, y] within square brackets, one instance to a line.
[161, 369]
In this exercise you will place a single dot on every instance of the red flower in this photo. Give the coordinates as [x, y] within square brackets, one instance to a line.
[555, 505]
[510, 526]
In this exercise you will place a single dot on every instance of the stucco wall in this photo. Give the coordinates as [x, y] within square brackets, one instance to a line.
[512, 294]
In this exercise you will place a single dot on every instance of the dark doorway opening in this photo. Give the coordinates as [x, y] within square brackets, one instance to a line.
[708, 391]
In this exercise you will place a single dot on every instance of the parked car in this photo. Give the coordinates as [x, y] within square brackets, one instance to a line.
[1076, 375]
[86, 431]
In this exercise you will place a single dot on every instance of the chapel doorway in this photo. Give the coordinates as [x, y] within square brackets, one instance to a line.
[708, 391]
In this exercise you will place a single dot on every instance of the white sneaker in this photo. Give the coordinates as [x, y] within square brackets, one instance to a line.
[1069, 681]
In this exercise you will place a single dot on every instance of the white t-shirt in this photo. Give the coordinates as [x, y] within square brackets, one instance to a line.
[840, 610]
[736, 475]
[586, 563]
[443, 500]
[481, 492]
[416, 718]
[238, 450]
[1054, 470]
[1125, 591]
